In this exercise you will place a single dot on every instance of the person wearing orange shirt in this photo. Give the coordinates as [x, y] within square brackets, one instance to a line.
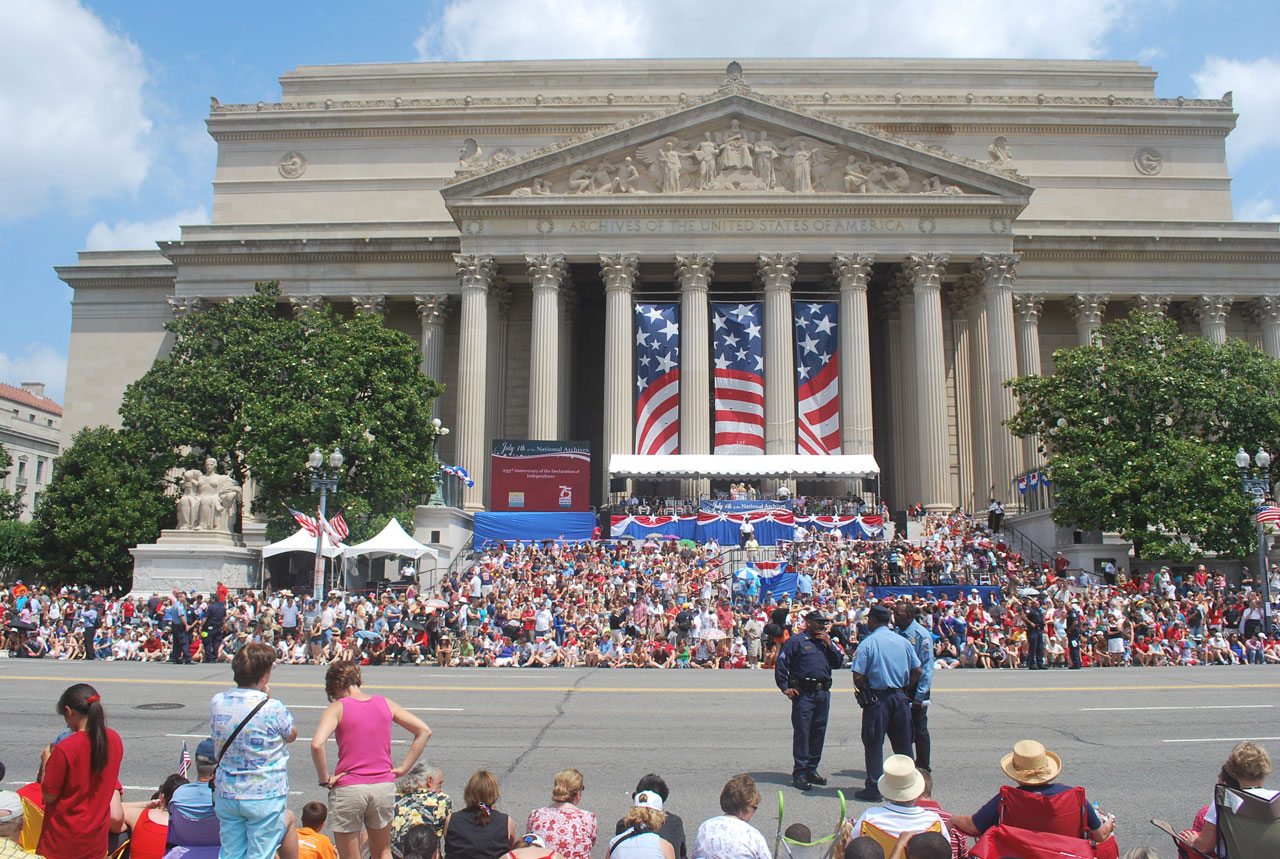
[311, 843]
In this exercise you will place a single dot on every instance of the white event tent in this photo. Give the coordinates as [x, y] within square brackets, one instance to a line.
[391, 540]
[302, 542]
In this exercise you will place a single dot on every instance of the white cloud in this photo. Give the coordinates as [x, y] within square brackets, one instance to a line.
[553, 29]
[37, 363]
[1256, 98]
[1261, 209]
[1150, 54]
[142, 235]
[71, 108]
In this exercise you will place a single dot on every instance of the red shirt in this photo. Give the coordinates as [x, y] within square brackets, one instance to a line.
[78, 815]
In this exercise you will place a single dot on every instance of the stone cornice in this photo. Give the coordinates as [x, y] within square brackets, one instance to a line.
[256, 251]
[704, 205]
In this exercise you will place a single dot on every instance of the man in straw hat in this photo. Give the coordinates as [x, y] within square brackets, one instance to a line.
[901, 785]
[1035, 770]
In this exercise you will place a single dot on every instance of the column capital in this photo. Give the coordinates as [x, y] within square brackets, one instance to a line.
[1087, 307]
[1212, 309]
[546, 271]
[777, 271]
[965, 294]
[1265, 308]
[852, 271]
[500, 294]
[433, 307]
[184, 305]
[1027, 307]
[475, 271]
[926, 270]
[693, 271]
[370, 304]
[899, 292]
[619, 271]
[304, 304]
[997, 271]
[1150, 302]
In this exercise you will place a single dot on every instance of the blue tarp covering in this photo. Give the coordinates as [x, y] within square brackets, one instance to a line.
[779, 586]
[524, 527]
[955, 593]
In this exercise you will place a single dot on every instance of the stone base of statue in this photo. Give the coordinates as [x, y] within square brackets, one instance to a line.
[194, 561]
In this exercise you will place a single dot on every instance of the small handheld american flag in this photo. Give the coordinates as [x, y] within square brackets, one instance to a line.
[184, 763]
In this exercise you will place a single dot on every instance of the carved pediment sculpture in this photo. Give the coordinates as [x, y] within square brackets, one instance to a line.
[730, 157]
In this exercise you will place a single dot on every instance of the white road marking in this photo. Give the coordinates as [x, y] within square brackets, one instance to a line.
[411, 709]
[1220, 739]
[300, 739]
[1204, 707]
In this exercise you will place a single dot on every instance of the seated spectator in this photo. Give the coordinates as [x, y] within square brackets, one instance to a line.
[1034, 769]
[11, 817]
[419, 801]
[921, 845]
[479, 830]
[863, 847]
[959, 841]
[421, 842]
[149, 821]
[532, 847]
[731, 835]
[562, 825]
[1246, 769]
[672, 827]
[639, 835]
[901, 785]
[311, 843]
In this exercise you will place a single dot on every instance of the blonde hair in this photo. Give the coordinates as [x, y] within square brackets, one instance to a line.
[1248, 762]
[646, 817]
[568, 785]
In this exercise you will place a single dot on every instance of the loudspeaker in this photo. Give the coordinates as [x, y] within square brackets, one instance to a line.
[617, 484]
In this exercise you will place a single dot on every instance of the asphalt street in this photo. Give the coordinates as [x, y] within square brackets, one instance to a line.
[1144, 742]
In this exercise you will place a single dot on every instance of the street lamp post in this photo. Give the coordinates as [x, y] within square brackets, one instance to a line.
[1258, 488]
[437, 494]
[324, 482]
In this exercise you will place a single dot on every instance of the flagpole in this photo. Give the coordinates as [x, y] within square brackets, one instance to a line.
[322, 481]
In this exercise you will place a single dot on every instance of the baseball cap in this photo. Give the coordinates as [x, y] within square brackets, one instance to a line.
[206, 751]
[881, 613]
[648, 799]
[11, 806]
[817, 616]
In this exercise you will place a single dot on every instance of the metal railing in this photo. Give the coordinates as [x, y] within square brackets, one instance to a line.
[1024, 545]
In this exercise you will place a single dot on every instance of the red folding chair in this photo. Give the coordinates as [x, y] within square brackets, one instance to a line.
[1035, 826]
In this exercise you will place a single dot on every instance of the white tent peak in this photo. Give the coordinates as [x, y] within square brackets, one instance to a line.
[391, 540]
[302, 542]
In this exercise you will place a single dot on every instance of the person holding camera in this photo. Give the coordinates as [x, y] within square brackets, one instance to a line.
[803, 673]
[885, 666]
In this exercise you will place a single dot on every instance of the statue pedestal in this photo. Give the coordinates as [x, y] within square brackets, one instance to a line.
[194, 561]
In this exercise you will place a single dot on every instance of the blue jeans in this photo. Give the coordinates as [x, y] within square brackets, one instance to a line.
[250, 828]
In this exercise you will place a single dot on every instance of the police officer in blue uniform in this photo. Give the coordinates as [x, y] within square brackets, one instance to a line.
[884, 667]
[906, 618]
[803, 673]
[1033, 617]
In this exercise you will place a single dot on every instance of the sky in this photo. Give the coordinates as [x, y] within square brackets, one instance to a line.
[102, 105]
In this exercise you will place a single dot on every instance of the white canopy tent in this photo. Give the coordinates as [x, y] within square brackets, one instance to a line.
[391, 540]
[738, 466]
[302, 542]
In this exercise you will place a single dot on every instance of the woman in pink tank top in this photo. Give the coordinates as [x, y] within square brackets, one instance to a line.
[362, 789]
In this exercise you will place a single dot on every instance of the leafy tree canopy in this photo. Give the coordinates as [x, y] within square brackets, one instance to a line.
[258, 390]
[1140, 432]
[10, 504]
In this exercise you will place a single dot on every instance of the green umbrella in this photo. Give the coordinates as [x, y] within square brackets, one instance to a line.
[688, 544]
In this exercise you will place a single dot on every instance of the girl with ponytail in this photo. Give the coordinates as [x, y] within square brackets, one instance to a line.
[81, 781]
[479, 831]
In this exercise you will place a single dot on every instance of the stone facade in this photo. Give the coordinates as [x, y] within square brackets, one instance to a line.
[969, 216]
[31, 433]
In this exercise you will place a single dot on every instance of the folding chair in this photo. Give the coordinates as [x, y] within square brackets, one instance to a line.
[200, 839]
[1248, 825]
[1034, 826]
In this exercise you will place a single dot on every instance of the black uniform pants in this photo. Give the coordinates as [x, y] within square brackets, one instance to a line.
[890, 715]
[1073, 647]
[808, 730]
[181, 643]
[88, 644]
[1035, 648]
[212, 642]
[920, 735]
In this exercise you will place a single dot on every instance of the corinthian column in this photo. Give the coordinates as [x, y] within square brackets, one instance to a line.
[568, 311]
[618, 271]
[1087, 310]
[957, 299]
[997, 272]
[926, 271]
[370, 304]
[475, 274]
[969, 294]
[1150, 302]
[778, 271]
[908, 437]
[546, 271]
[499, 309]
[1268, 309]
[301, 305]
[1211, 312]
[433, 311]
[895, 485]
[1027, 310]
[693, 272]
[856, 433]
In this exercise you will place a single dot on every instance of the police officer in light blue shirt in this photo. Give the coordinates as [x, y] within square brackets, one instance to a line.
[906, 619]
[884, 667]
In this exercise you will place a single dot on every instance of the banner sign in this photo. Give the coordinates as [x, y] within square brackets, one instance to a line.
[540, 476]
[743, 505]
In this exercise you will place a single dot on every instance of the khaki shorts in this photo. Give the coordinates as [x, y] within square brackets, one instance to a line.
[359, 806]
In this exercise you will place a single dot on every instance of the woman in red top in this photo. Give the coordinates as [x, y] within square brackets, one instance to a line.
[149, 821]
[81, 781]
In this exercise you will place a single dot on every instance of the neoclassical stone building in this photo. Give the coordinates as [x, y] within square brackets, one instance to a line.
[969, 217]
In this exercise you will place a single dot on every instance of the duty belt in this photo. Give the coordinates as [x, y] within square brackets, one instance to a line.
[810, 684]
[884, 691]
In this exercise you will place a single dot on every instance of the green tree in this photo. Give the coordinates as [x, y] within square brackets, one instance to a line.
[1140, 431]
[104, 499]
[10, 504]
[16, 550]
[258, 390]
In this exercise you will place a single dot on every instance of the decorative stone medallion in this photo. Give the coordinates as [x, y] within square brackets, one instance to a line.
[292, 165]
[1148, 161]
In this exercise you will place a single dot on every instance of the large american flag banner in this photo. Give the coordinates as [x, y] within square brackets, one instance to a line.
[817, 378]
[657, 379]
[739, 377]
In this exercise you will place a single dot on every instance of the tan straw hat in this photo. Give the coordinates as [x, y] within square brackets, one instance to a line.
[901, 781]
[1031, 763]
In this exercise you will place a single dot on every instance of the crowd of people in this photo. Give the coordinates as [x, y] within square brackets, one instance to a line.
[237, 804]
[666, 604]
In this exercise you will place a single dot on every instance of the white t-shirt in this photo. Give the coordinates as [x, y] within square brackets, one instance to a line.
[728, 837]
[896, 819]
